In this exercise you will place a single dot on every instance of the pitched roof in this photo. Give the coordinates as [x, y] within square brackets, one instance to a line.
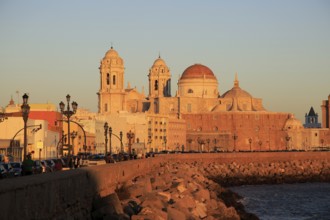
[311, 112]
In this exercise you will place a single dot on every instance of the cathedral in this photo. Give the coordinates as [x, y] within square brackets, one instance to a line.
[198, 117]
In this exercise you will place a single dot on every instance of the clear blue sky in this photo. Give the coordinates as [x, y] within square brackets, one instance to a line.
[280, 49]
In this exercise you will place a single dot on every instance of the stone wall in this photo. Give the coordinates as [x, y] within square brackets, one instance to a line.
[67, 194]
[70, 194]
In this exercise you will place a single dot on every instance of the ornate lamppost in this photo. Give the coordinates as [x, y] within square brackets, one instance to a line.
[121, 141]
[200, 144]
[322, 142]
[215, 144]
[68, 113]
[149, 142]
[73, 136]
[287, 138]
[106, 127]
[260, 144]
[189, 141]
[110, 135]
[235, 138]
[2, 117]
[130, 136]
[165, 141]
[25, 114]
[250, 142]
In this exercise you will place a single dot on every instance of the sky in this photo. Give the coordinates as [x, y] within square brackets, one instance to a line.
[279, 49]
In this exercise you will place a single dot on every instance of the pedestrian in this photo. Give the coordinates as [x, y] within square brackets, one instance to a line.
[70, 163]
[28, 165]
[58, 165]
[76, 162]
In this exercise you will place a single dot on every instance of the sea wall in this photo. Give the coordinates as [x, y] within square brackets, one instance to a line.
[70, 194]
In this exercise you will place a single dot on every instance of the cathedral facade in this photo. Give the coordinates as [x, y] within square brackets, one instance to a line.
[198, 117]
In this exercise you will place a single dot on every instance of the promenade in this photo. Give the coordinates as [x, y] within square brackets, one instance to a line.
[73, 193]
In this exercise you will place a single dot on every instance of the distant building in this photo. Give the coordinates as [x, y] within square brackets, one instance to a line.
[311, 119]
[198, 117]
[326, 113]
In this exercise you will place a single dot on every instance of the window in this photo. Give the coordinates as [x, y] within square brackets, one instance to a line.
[156, 84]
[189, 107]
[190, 91]
[108, 78]
[105, 107]
[114, 80]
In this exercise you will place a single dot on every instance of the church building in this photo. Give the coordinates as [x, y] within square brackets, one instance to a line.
[197, 117]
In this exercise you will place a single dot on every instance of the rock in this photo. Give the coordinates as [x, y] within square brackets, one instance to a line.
[187, 202]
[201, 210]
[175, 214]
[165, 195]
[202, 195]
[109, 205]
[181, 187]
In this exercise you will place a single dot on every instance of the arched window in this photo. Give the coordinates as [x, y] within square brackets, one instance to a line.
[114, 80]
[190, 91]
[108, 78]
[156, 84]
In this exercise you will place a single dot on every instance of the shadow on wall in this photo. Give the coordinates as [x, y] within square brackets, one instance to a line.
[66, 194]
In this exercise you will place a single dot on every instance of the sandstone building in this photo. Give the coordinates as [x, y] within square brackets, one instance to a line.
[198, 117]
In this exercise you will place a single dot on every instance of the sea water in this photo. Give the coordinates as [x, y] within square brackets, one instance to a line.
[287, 201]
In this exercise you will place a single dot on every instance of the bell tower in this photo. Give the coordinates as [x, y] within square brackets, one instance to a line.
[111, 95]
[159, 79]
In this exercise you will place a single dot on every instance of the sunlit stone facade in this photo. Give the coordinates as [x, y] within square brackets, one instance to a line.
[198, 117]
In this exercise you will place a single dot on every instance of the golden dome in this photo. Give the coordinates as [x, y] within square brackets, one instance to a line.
[236, 91]
[111, 53]
[198, 71]
[293, 123]
[159, 62]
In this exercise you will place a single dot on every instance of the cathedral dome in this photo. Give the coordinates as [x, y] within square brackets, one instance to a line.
[198, 71]
[293, 123]
[198, 81]
[111, 53]
[159, 62]
[236, 91]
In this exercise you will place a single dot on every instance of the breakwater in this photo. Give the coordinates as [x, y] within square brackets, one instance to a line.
[80, 193]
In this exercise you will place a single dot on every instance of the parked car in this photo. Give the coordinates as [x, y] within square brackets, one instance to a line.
[61, 163]
[3, 172]
[51, 164]
[45, 167]
[9, 168]
[37, 167]
[17, 167]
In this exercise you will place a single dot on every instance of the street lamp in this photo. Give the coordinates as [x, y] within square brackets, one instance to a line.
[106, 127]
[73, 136]
[2, 117]
[165, 141]
[25, 114]
[215, 144]
[68, 113]
[287, 138]
[235, 138]
[200, 144]
[250, 142]
[121, 141]
[260, 144]
[130, 136]
[110, 134]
